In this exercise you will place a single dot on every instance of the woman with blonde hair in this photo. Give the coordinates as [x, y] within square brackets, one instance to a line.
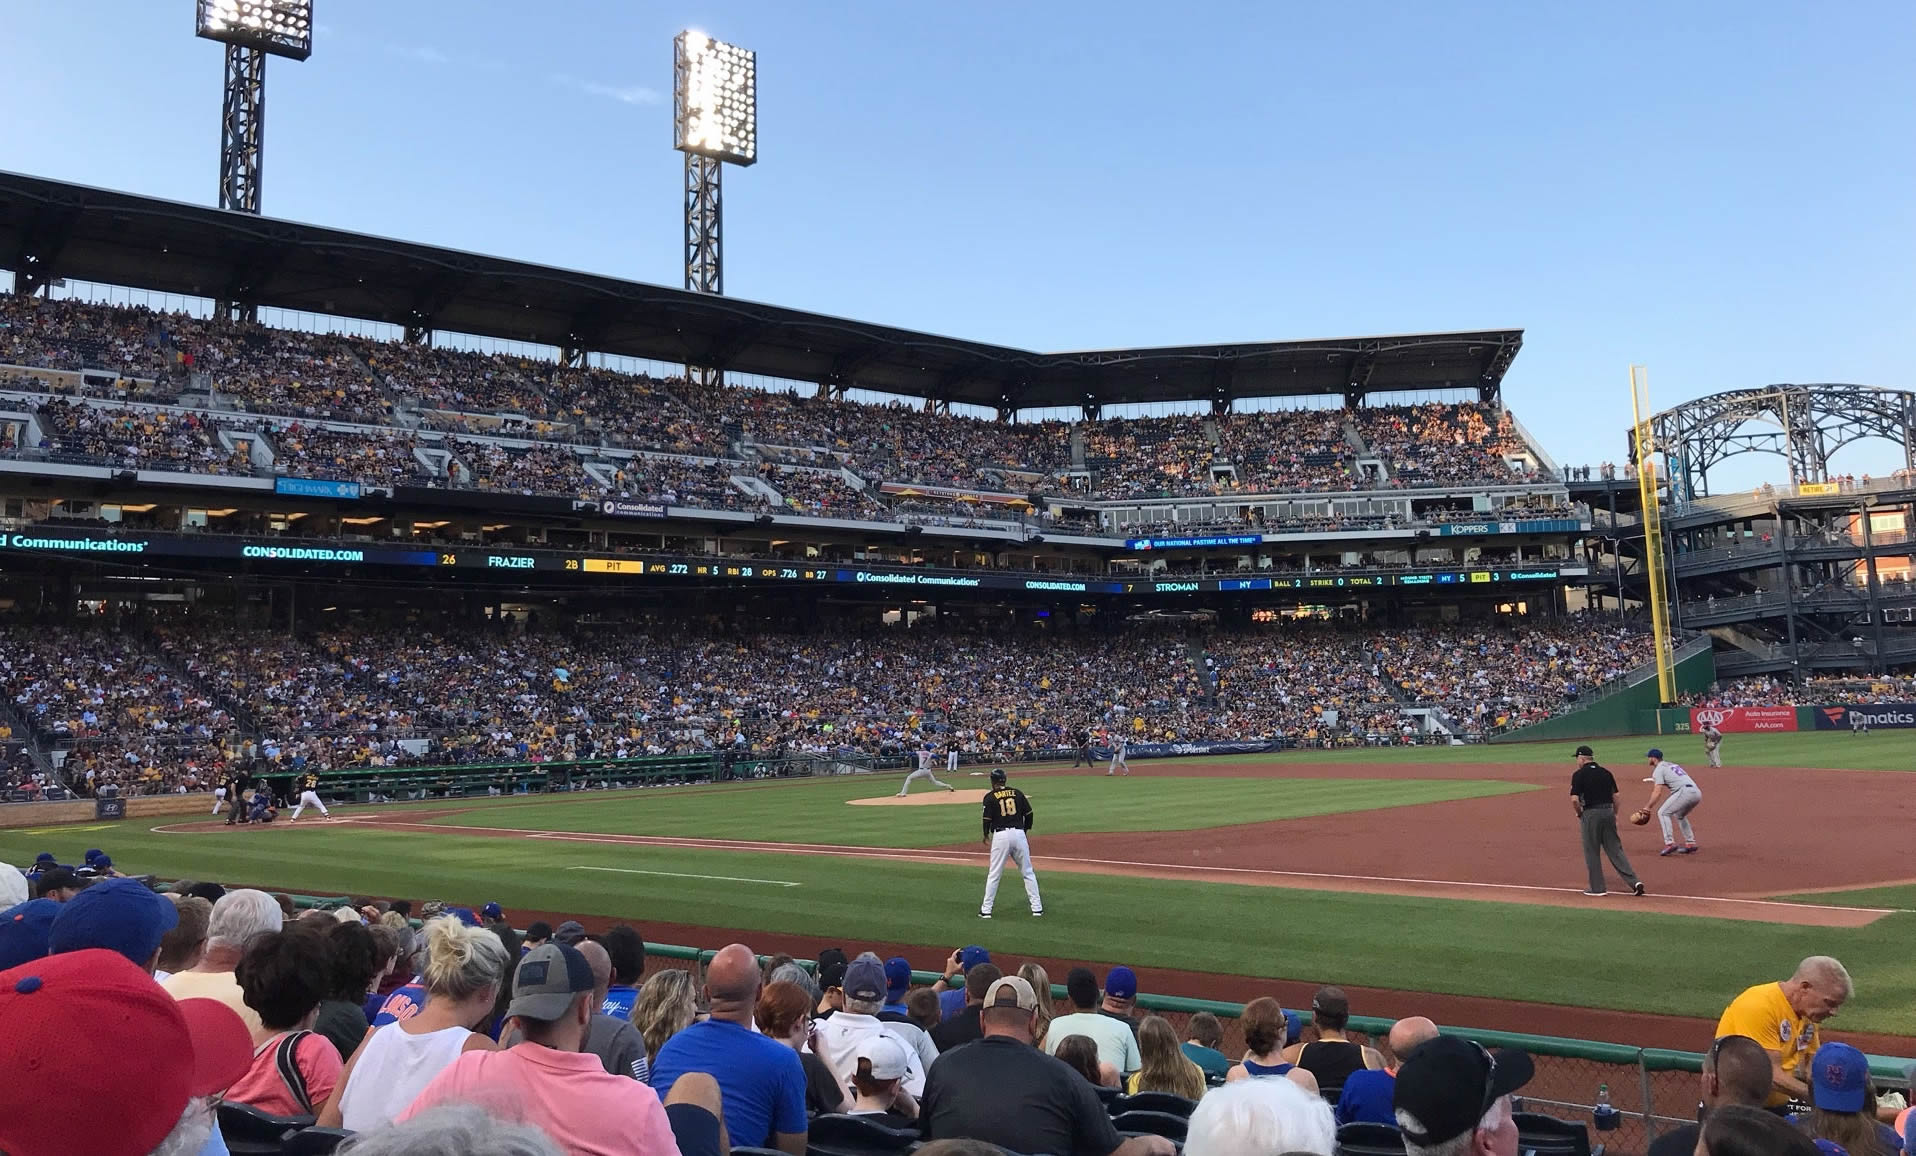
[668, 1003]
[1166, 1068]
[1034, 974]
[464, 968]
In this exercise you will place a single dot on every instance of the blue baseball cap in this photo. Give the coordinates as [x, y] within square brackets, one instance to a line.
[120, 915]
[972, 956]
[897, 975]
[463, 915]
[1839, 1078]
[1654, 753]
[1121, 983]
[95, 853]
[23, 931]
[493, 911]
[865, 980]
[1293, 1025]
[45, 857]
[101, 863]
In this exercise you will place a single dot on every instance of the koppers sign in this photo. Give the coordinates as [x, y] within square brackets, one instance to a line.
[1744, 718]
[1898, 715]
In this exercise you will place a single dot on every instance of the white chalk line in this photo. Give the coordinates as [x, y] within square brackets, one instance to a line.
[967, 858]
[689, 875]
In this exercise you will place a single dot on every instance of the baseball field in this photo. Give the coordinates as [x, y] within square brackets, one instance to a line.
[1445, 881]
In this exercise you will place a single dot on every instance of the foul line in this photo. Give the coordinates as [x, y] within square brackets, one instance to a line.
[688, 875]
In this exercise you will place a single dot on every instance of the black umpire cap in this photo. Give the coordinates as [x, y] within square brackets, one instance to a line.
[1584, 750]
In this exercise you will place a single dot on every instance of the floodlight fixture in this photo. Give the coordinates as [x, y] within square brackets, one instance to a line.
[714, 99]
[281, 27]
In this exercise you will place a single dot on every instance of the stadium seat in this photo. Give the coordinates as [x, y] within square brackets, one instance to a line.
[313, 1141]
[839, 1135]
[1165, 1124]
[1153, 1102]
[746, 1151]
[1369, 1140]
[251, 1132]
[1549, 1136]
[1107, 1095]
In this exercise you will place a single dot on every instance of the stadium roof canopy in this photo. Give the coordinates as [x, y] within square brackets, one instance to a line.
[51, 229]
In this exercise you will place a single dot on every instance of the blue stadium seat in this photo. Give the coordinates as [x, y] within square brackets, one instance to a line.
[1154, 1102]
[839, 1135]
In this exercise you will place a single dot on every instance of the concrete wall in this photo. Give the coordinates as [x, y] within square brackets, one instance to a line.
[1630, 711]
[81, 810]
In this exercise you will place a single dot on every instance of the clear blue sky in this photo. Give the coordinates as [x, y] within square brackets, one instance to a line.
[1725, 192]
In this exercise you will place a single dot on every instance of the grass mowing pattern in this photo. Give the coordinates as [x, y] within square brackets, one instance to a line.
[816, 811]
[1882, 750]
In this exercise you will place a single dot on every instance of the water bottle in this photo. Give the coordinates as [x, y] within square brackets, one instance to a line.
[1605, 1114]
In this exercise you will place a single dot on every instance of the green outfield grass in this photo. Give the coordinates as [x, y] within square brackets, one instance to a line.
[1600, 958]
[1882, 750]
[815, 811]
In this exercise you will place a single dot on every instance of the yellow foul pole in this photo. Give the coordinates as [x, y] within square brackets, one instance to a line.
[1646, 447]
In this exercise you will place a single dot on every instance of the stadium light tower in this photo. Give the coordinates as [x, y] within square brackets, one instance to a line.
[250, 29]
[714, 120]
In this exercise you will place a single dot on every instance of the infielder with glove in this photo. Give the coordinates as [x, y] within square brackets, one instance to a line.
[1671, 780]
[1713, 744]
[1007, 818]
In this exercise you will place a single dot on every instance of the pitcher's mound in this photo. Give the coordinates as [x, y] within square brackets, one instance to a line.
[931, 798]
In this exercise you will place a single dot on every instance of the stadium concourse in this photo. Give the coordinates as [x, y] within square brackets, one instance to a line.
[174, 392]
[163, 704]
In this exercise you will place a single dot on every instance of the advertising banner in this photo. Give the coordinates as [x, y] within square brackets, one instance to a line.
[615, 508]
[1732, 719]
[1181, 750]
[1893, 715]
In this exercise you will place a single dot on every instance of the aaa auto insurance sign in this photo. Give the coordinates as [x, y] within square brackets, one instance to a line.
[1730, 719]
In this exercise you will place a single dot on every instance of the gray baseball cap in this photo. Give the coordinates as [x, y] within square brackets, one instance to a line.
[549, 976]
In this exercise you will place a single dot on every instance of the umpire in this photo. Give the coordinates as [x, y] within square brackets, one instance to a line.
[1593, 792]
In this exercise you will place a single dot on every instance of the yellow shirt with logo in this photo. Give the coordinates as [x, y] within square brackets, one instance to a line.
[1763, 1013]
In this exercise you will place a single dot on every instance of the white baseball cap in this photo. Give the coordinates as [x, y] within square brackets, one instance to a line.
[886, 1054]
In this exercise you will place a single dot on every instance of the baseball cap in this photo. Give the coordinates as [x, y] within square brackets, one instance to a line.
[1011, 991]
[92, 854]
[865, 980]
[71, 1021]
[1448, 1084]
[117, 914]
[1653, 753]
[44, 857]
[1332, 1002]
[1585, 750]
[493, 911]
[57, 879]
[831, 967]
[101, 863]
[897, 975]
[1839, 1078]
[972, 956]
[24, 929]
[463, 915]
[571, 933]
[547, 979]
[887, 1056]
[1121, 983]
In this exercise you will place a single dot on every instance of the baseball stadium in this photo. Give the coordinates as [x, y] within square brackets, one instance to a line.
[439, 594]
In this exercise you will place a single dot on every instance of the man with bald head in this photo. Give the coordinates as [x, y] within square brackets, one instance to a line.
[1785, 1018]
[619, 1046]
[761, 1080]
[1369, 1093]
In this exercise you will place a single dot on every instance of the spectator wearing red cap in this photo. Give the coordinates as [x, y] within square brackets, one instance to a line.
[548, 1081]
[284, 976]
[74, 1025]
[122, 915]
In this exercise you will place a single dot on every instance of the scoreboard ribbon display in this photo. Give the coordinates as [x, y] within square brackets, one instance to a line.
[465, 560]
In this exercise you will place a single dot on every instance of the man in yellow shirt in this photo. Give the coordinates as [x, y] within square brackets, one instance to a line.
[1784, 1018]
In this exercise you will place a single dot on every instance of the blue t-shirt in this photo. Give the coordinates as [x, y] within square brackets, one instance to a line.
[1367, 1098]
[403, 1004]
[950, 1003]
[619, 1000]
[761, 1081]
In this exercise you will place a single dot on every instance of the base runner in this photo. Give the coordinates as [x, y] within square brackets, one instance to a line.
[1667, 778]
[219, 799]
[1712, 744]
[1007, 819]
[951, 757]
[309, 797]
[923, 772]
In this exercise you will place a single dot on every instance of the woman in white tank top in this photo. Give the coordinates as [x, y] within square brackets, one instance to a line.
[464, 969]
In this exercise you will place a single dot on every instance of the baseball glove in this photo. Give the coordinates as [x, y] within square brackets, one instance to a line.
[1641, 818]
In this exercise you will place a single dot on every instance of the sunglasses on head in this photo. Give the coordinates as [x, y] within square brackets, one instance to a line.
[1490, 1079]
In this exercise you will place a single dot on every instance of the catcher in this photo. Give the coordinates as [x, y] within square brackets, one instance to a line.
[1593, 792]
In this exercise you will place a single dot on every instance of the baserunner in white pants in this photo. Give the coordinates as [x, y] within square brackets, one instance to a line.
[951, 758]
[1120, 746]
[309, 797]
[1007, 818]
[1669, 779]
[923, 772]
[219, 799]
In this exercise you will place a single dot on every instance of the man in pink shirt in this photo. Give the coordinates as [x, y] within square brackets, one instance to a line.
[548, 1081]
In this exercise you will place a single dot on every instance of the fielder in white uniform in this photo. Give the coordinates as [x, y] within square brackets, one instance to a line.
[923, 772]
[1007, 818]
[1712, 744]
[1667, 778]
[1120, 746]
[219, 799]
[951, 758]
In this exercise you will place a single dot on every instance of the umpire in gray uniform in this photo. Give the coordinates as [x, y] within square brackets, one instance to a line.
[1593, 791]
